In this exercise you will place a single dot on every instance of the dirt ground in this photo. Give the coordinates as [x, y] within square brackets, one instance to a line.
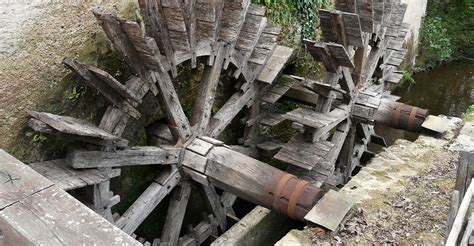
[35, 37]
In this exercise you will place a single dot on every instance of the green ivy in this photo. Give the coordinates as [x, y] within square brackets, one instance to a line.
[298, 18]
[447, 32]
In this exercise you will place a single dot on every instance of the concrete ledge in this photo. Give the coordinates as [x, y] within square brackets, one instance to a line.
[259, 227]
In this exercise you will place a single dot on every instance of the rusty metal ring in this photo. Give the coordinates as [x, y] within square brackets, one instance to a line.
[279, 189]
[396, 115]
[411, 118]
[294, 198]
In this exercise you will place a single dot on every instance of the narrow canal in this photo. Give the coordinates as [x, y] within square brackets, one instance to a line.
[446, 90]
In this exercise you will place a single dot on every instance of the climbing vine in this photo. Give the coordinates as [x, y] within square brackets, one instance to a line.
[299, 18]
[446, 32]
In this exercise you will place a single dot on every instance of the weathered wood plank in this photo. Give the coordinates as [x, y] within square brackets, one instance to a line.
[76, 127]
[67, 178]
[230, 109]
[203, 106]
[124, 46]
[35, 211]
[175, 215]
[217, 209]
[179, 124]
[274, 66]
[100, 80]
[148, 155]
[155, 26]
[144, 205]
[305, 155]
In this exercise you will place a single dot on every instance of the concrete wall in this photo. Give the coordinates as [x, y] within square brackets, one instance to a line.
[416, 10]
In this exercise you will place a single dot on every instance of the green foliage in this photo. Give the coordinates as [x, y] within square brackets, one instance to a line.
[469, 115]
[407, 76]
[38, 138]
[298, 18]
[446, 32]
[76, 93]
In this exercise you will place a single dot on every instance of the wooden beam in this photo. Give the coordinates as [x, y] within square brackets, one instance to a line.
[102, 197]
[175, 215]
[191, 27]
[156, 27]
[216, 206]
[78, 129]
[68, 178]
[116, 93]
[200, 233]
[179, 124]
[460, 217]
[230, 109]
[147, 202]
[120, 39]
[148, 155]
[208, 86]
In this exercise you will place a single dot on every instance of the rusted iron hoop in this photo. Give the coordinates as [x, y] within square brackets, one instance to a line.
[279, 189]
[411, 118]
[294, 198]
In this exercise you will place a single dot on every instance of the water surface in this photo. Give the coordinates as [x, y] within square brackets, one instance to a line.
[446, 90]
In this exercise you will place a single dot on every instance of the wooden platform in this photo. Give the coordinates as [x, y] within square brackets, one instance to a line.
[67, 178]
[35, 211]
[303, 154]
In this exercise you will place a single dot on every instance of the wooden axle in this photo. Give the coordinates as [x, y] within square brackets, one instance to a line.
[249, 179]
[401, 116]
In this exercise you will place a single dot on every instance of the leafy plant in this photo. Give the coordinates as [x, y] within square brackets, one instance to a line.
[76, 93]
[446, 32]
[469, 115]
[39, 138]
[407, 76]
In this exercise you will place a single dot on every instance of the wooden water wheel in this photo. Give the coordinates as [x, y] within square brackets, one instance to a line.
[335, 117]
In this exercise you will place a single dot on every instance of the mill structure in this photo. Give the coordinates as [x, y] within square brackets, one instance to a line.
[333, 123]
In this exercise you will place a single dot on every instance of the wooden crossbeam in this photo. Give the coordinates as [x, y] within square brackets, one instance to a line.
[179, 124]
[175, 214]
[215, 204]
[208, 86]
[68, 178]
[74, 128]
[366, 15]
[228, 111]
[156, 27]
[125, 37]
[148, 200]
[103, 200]
[341, 27]
[338, 139]
[148, 155]
[191, 28]
[116, 93]
[253, 27]
[232, 20]
[200, 233]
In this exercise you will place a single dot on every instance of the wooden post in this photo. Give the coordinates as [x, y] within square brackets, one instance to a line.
[175, 214]
[460, 217]
[453, 211]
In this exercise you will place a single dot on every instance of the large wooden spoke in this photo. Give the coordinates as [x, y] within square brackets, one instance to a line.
[175, 214]
[203, 107]
[151, 197]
